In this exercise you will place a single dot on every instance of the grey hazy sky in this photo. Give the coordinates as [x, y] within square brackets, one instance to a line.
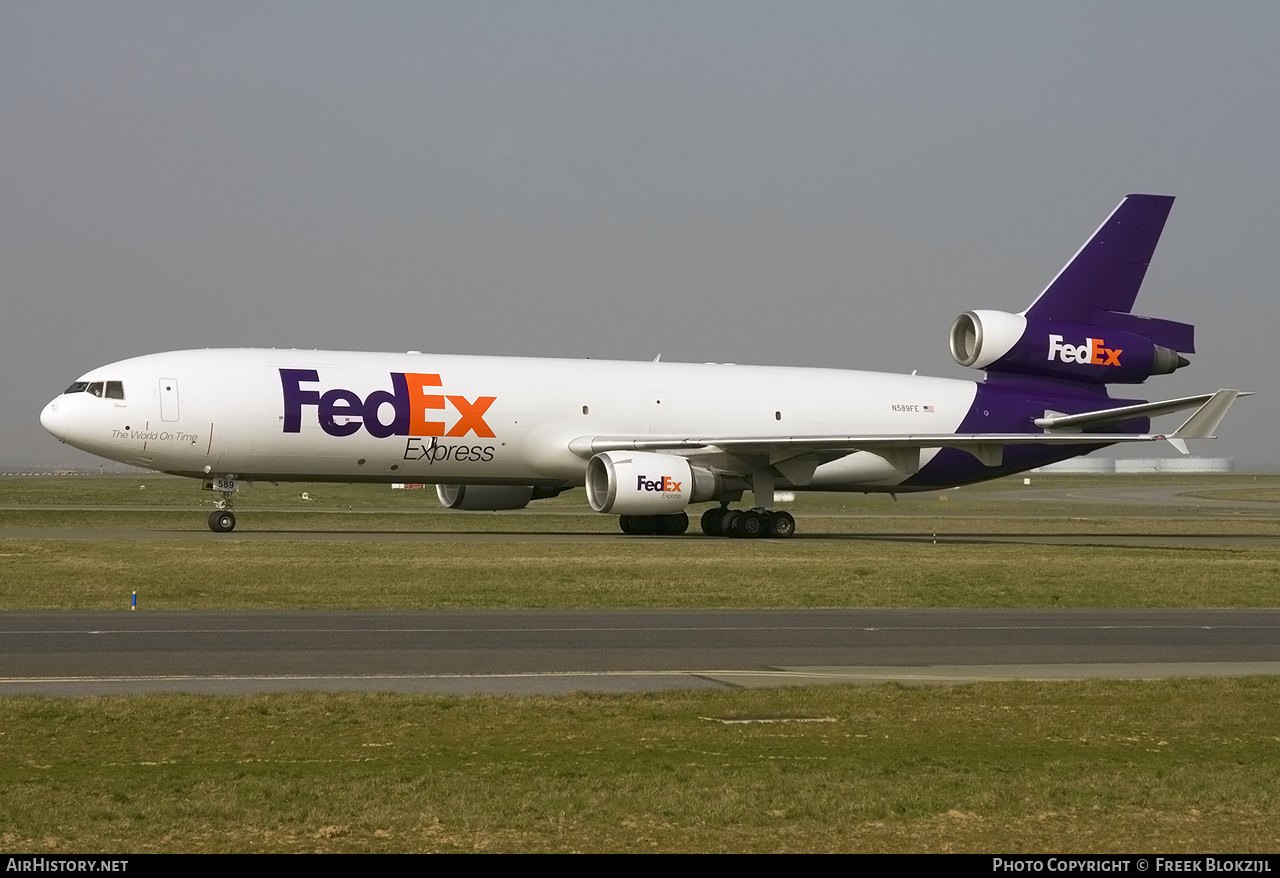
[792, 183]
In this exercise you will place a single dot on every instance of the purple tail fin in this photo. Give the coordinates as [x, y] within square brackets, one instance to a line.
[1080, 328]
[1100, 283]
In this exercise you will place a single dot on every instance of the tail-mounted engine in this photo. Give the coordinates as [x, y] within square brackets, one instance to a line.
[996, 341]
[644, 483]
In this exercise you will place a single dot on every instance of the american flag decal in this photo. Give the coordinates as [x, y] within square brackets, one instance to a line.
[927, 408]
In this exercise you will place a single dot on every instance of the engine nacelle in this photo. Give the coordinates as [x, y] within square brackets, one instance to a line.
[487, 497]
[979, 338]
[644, 483]
[1000, 342]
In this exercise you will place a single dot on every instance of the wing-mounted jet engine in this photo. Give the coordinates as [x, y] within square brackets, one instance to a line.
[649, 491]
[491, 498]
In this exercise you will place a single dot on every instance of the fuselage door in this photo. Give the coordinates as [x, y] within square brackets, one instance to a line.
[168, 399]
[659, 414]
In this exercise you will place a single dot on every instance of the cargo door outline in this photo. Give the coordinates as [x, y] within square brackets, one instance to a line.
[168, 399]
[659, 413]
[229, 446]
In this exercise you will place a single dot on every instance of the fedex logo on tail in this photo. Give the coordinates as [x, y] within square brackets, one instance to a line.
[407, 409]
[1092, 352]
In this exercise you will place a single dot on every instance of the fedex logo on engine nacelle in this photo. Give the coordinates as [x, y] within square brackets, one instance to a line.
[1092, 352]
[665, 485]
[408, 404]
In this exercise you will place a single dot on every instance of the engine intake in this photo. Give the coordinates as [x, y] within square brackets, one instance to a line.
[979, 338]
[644, 483]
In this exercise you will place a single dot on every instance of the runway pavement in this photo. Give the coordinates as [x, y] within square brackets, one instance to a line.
[1084, 538]
[1173, 497]
[526, 652]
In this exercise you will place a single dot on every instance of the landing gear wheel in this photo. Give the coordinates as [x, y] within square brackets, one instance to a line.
[749, 525]
[654, 525]
[675, 524]
[222, 521]
[713, 521]
[727, 520]
[781, 525]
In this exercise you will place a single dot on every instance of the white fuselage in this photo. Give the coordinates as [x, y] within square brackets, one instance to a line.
[252, 413]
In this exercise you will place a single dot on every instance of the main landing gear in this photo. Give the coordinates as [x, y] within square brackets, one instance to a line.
[722, 521]
[751, 523]
[747, 524]
[718, 522]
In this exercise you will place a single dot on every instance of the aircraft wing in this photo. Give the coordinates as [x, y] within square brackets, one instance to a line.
[902, 451]
[1211, 404]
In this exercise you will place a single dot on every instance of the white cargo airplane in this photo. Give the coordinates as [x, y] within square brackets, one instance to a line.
[648, 439]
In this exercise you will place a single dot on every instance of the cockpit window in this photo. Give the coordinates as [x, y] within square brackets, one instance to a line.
[103, 389]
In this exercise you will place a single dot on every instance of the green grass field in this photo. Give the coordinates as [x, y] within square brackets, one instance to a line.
[239, 574]
[1098, 766]
[320, 567]
[1101, 766]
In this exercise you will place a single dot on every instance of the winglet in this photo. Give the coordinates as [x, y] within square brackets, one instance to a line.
[1206, 419]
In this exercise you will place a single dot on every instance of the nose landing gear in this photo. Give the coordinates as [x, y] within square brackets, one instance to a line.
[222, 521]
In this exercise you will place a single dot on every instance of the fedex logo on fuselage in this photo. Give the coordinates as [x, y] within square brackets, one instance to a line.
[1093, 352]
[665, 485]
[406, 409]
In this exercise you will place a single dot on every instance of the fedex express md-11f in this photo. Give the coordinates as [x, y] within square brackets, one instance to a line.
[648, 439]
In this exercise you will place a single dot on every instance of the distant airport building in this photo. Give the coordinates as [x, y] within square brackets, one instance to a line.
[1090, 465]
[1190, 465]
[1132, 465]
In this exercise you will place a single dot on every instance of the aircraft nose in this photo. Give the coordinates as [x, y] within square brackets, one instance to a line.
[54, 419]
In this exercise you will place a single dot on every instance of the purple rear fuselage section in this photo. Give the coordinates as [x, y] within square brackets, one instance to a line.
[1011, 404]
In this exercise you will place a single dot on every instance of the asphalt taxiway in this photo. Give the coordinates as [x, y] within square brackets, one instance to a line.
[527, 652]
[1082, 538]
